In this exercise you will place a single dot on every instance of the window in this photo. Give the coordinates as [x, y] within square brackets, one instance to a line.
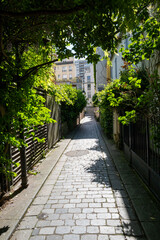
[88, 69]
[88, 78]
[70, 76]
[88, 86]
[64, 69]
[70, 68]
[64, 76]
[59, 76]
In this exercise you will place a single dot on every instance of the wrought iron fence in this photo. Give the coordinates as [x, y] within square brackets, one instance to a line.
[143, 152]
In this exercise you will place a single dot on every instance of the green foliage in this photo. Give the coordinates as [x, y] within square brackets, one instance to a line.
[71, 109]
[85, 24]
[106, 113]
[21, 107]
[95, 99]
[144, 42]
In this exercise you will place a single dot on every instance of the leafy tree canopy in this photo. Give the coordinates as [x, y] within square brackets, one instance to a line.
[83, 23]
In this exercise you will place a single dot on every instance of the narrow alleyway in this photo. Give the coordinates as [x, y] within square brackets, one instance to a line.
[83, 198]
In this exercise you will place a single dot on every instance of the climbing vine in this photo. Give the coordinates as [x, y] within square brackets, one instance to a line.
[136, 93]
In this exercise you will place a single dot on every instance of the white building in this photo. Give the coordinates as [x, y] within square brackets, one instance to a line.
[79, 64]
[89, 85]
[101, 71]
[117, 61]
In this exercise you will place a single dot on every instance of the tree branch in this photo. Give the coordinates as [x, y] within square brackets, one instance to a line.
[41, 12]
[34, 69]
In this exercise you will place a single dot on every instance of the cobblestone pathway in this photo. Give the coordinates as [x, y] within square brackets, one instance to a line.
[83, 198]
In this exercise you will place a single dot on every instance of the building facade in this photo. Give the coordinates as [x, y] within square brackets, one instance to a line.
[80, 71]
[101, 71]
[89, 85]
[65, 72]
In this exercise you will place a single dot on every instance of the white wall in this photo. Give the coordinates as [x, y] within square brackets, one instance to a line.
[101, 71]
[89, 73]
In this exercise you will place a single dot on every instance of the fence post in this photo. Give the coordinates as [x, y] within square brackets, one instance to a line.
[130, 145]
[147, 149]
[23, 163]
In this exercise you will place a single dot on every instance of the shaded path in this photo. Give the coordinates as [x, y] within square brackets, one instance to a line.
[83, 198]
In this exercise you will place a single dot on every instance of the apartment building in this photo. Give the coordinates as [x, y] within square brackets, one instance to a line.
[80, 71]
[89, 85]
[65, 72]
[101, 71]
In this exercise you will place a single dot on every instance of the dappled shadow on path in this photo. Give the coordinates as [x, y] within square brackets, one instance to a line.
[105, 174]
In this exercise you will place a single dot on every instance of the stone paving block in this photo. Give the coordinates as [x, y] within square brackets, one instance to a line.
[53, 216]
[69, 205]
[71, 237]
[61, 210]
[59, 205]
[36, 238]
[113, 210]
[75, 210]
[78, 229]
[46, 230]
[114, 223]
[63, 230]
[104, 216]
[92, 229]
[57, 223]
[115, 216]
[89, 237]
[95, 205]
[87, 210]
[91, 216]
[48, 211]
[117, 237]
[35, 231]
[47, 206]
[75, 200]
[101, 210]
[82, 205]
[98, 222]
[103, 237]
[109, 205]
[70, 223]
[66, 216]
[63, 201]
[54, 237]
[43, 223]
[107, 230]
[79, 216]
[83, 222]
[52, 202]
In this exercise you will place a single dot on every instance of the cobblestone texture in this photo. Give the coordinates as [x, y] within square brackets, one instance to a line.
[87, 201]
